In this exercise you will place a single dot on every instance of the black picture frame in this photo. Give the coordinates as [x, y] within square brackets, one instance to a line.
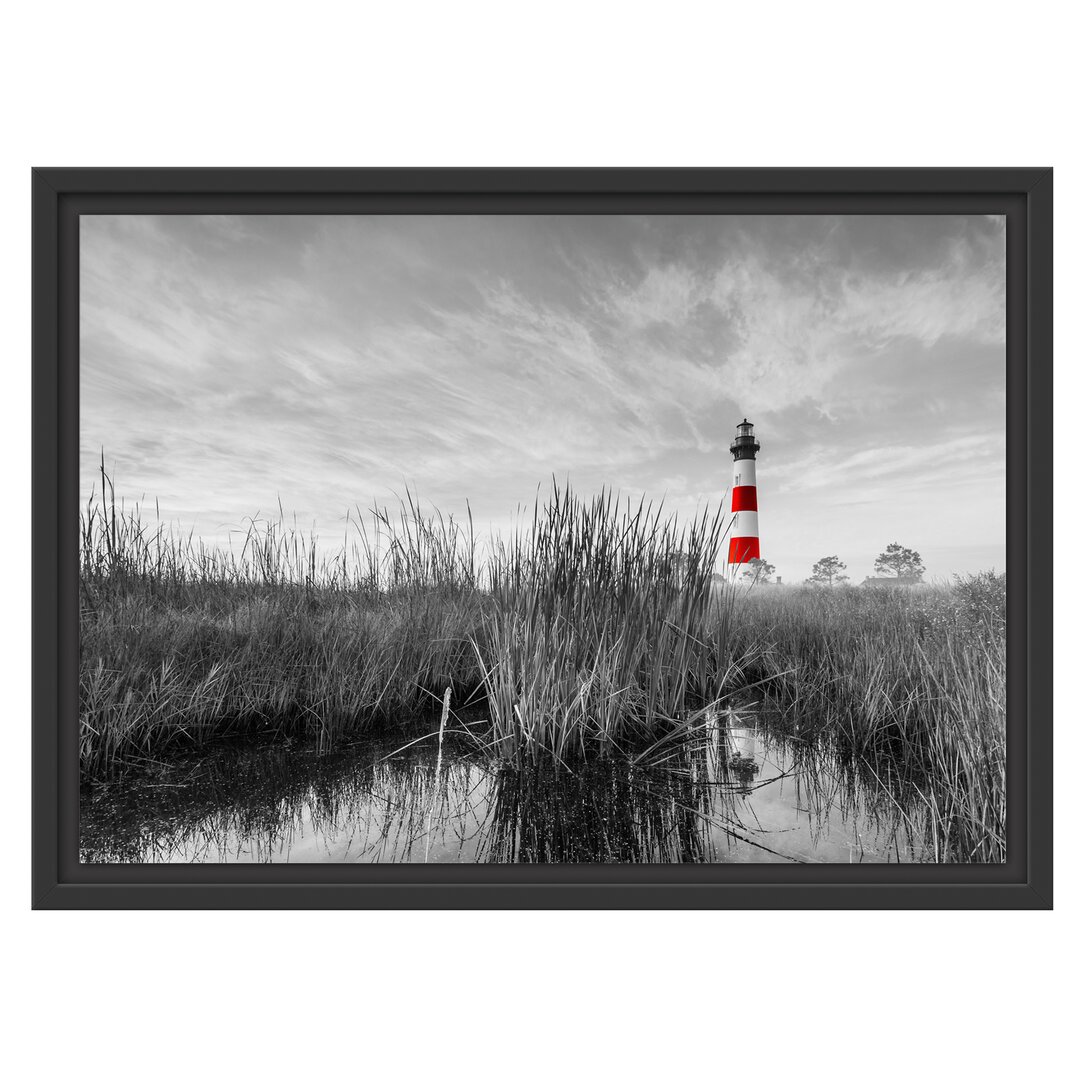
[61, 195]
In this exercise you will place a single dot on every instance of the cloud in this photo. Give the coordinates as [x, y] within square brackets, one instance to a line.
[785, 338]
[666, 294]
[893, 467]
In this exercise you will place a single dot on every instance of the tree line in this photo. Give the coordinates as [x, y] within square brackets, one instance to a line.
[896, 562]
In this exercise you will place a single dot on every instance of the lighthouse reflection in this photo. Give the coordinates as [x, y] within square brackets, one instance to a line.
[741, 752]
[733, 794]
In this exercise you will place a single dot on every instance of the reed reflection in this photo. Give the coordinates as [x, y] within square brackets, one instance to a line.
[731, 792]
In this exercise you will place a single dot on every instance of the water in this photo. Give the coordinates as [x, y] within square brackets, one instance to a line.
[737, 795]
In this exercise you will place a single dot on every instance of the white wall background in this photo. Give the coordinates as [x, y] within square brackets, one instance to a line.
[480, 994]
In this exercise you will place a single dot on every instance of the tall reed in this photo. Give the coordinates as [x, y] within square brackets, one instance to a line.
[596, 639]
[181, 642]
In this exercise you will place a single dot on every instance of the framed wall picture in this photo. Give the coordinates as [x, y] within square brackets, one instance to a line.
[542, 538]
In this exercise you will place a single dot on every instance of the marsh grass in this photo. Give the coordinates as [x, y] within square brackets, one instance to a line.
[595, 632]
[181, 643]
[605, 628]
[909, 681]
[591, 631]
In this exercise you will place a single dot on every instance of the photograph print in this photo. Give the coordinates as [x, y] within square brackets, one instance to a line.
[542, 538]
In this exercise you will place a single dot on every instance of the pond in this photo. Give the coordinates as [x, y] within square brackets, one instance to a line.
[736, 794]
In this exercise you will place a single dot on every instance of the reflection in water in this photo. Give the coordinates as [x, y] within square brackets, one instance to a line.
[736, 794]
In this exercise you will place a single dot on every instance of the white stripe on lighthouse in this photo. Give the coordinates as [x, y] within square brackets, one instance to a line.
[745, 523]
[744, 473]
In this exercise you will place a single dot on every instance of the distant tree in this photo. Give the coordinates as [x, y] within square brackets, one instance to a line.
[903, 563]
[827, 571]
[758, 570]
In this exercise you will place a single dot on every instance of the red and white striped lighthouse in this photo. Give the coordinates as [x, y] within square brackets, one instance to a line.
[744, 544]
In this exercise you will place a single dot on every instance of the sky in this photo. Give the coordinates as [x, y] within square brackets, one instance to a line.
[327, 362]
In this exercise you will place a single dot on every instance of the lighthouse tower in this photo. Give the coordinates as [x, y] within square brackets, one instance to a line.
[744, 544]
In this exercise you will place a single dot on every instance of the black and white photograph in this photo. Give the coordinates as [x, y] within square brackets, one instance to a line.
[541, 538]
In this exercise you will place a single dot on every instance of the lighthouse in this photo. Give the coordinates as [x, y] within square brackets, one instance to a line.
[744, 544]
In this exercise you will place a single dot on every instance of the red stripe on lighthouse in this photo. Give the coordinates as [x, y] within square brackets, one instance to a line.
[743, 548]
[743, 498]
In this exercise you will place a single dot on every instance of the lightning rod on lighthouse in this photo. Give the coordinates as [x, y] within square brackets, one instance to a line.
[744, 544]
